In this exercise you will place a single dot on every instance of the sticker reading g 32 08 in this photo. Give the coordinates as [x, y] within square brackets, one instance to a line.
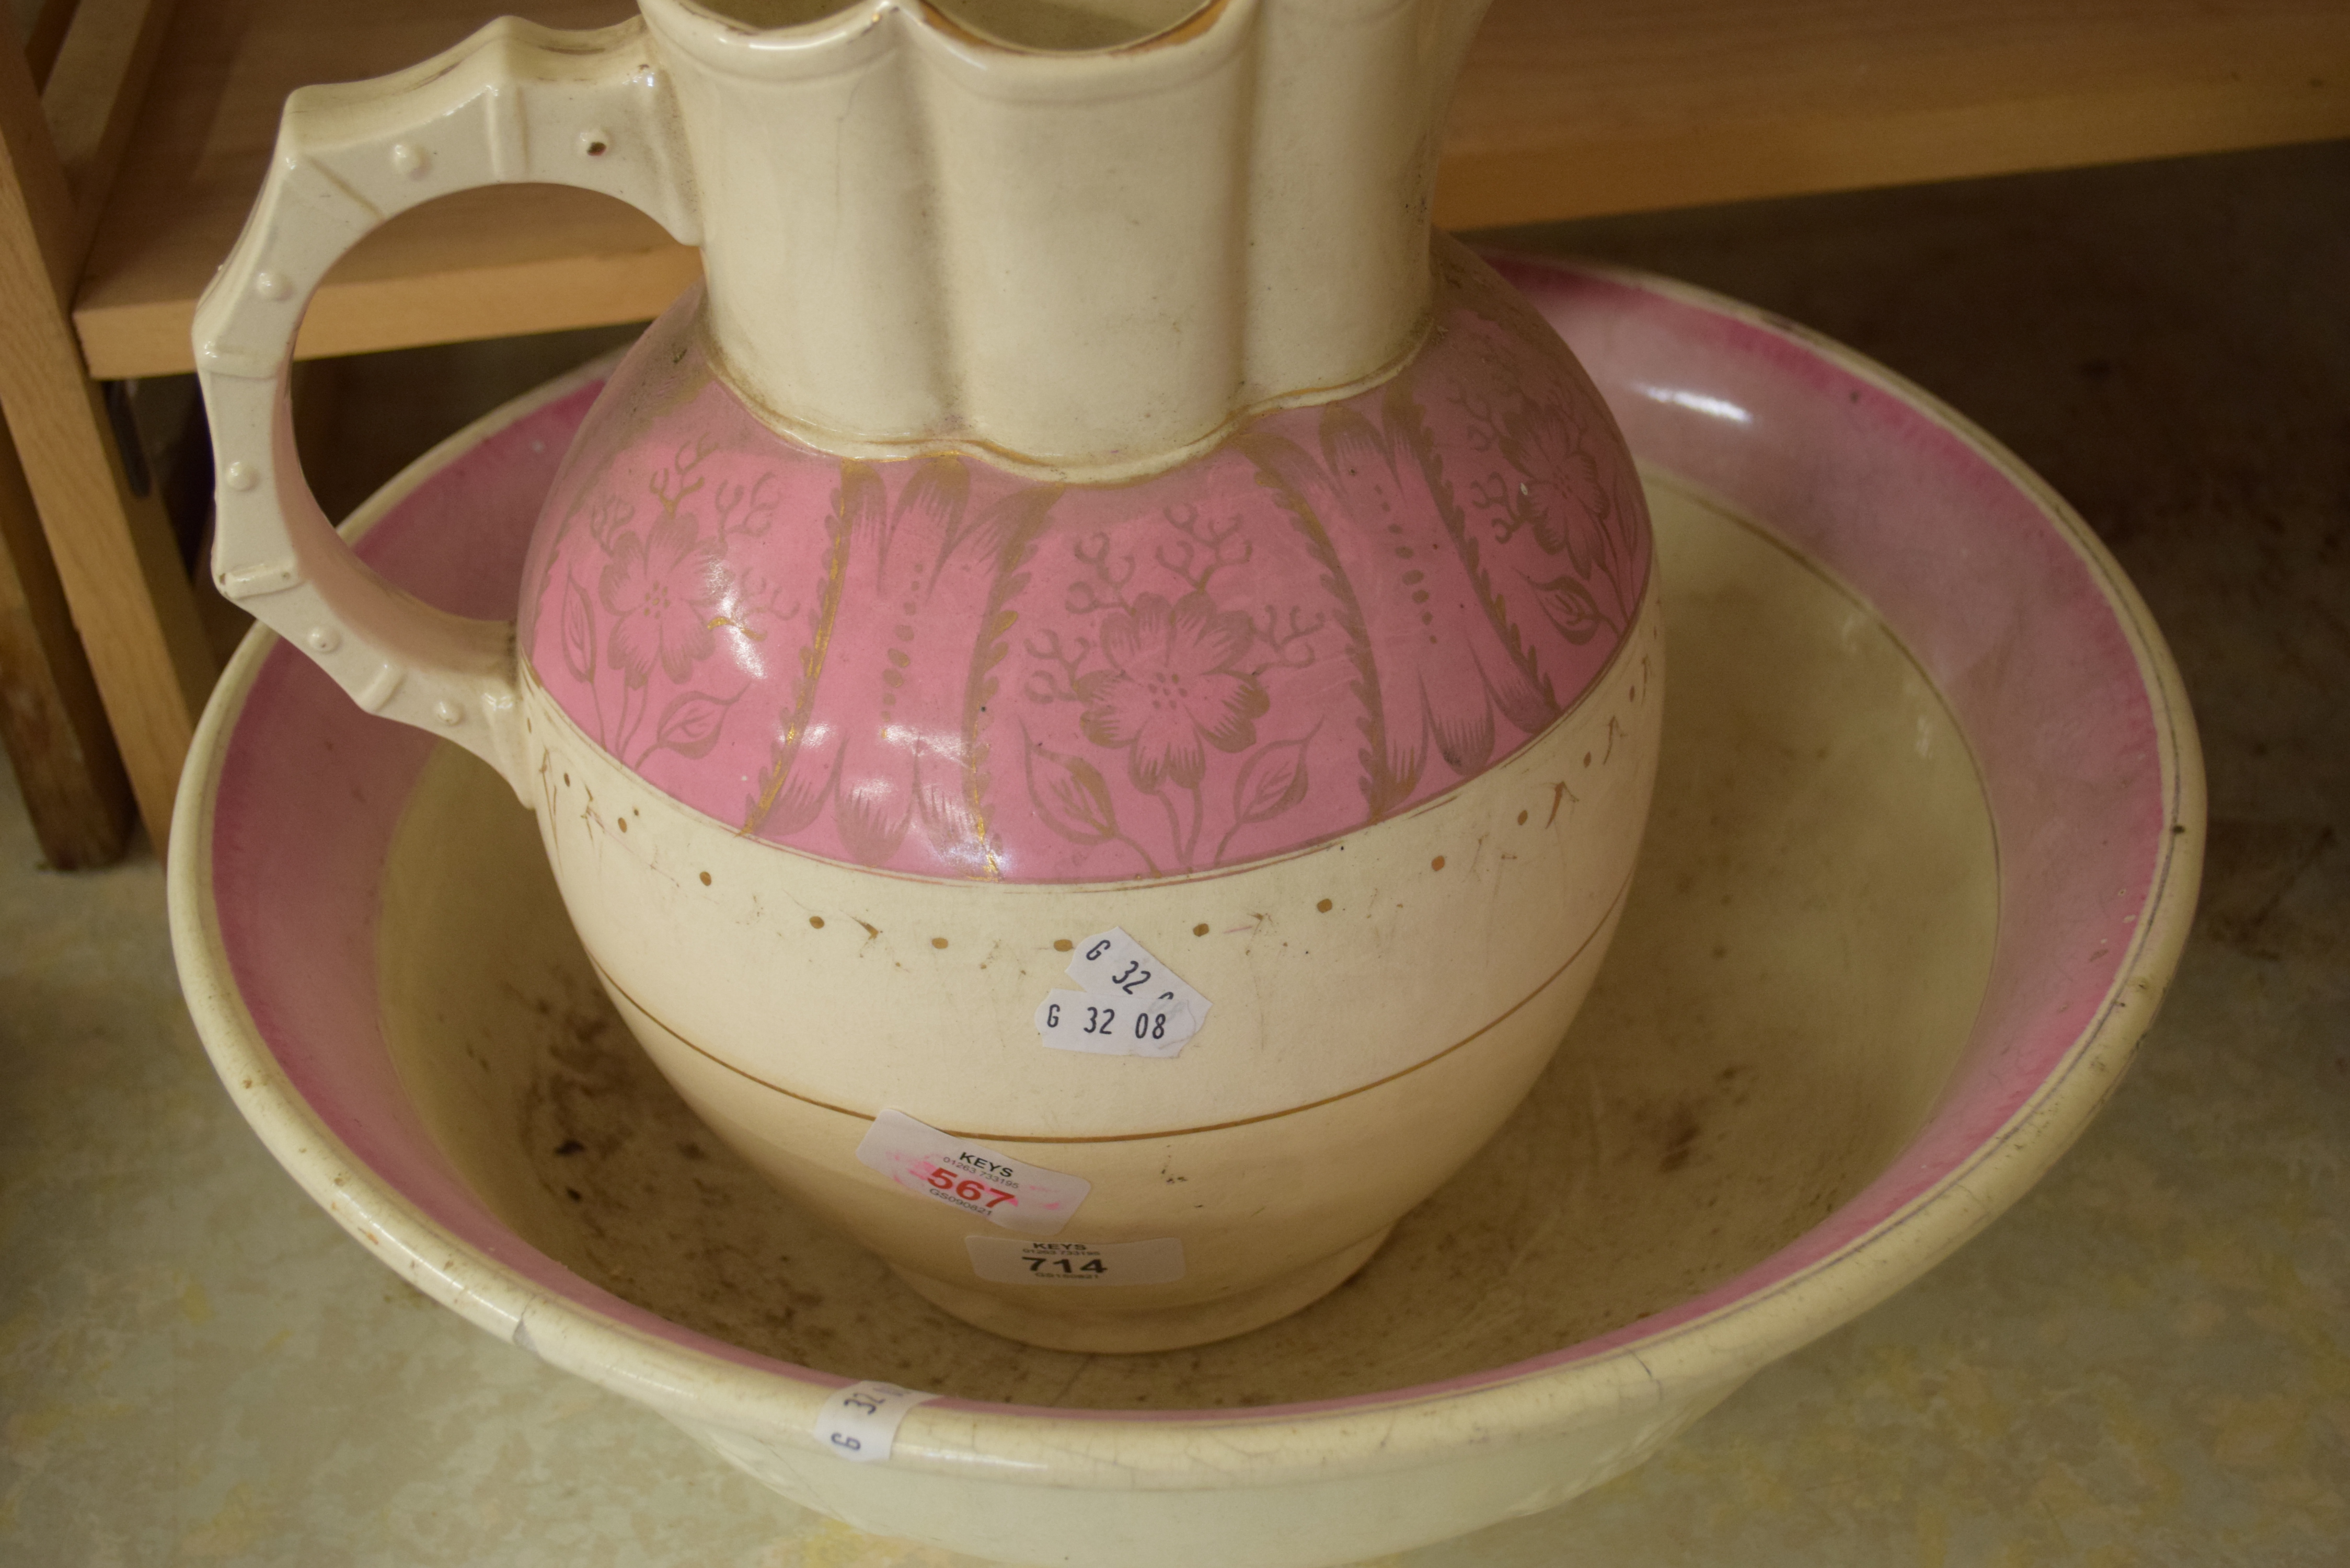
[1132, 1004]
[1112, 1026]
[970, 1176]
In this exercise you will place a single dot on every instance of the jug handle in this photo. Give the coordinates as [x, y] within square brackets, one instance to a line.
[513, 102]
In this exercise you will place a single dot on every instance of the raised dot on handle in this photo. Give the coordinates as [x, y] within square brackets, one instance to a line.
[448, 712]
[239, 476]
[406, 158]
[323, 639]
[269, 285]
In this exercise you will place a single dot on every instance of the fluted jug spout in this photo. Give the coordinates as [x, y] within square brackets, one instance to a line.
[1085, 236]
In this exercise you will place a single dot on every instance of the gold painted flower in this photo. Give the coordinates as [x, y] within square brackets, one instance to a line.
[660, 590]
[1170, 686]
[1559, 490]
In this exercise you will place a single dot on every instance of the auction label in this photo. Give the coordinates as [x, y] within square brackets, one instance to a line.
[860, 1421]
[1010, 1263]
[1113, 963]
[1111, 1025]
[1131, 1004]
[997, 1188]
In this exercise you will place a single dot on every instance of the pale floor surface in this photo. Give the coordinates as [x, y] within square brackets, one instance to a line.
[2148, 1362]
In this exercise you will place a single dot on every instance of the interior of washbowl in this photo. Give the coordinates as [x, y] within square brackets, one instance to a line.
[1798, 969]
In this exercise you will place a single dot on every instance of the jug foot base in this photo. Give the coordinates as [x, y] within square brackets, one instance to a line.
[1064, 1326]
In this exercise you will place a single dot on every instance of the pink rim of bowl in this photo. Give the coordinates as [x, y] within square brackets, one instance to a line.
[2043, 651]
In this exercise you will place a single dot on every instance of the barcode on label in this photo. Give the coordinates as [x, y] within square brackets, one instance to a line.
[860, 1422]
[1075, 1263]
[971, 1176]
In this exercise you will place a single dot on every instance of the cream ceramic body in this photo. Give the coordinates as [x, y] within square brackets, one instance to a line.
[1115, 511]
[1278, 1147]
[1933, 814]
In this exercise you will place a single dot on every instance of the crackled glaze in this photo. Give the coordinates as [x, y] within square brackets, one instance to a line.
[938, 666]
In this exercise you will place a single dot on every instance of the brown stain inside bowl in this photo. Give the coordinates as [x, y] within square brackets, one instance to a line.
[1796, 975]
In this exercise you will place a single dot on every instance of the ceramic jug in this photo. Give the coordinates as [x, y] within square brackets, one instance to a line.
[1092, 693]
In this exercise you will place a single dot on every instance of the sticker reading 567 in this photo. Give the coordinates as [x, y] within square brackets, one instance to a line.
[1007, 1262]
[970, 1176]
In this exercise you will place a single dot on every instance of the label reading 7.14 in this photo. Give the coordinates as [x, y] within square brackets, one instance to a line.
[1009, 1261]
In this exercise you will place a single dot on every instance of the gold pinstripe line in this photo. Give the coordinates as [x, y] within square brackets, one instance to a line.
[1494, 1022]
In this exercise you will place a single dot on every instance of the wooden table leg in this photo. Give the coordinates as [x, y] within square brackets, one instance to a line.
[50, 719]
[112, 545]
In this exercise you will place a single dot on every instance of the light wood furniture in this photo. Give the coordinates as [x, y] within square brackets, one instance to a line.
[51, 721]
[110, 552]
[1568, 108]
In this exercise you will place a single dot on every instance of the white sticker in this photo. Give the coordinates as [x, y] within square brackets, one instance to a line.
[860, 1421]
[1112, 963]
[1010, 1263]
[1109, 1026]
[997, 1188]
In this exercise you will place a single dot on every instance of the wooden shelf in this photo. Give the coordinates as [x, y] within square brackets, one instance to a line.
[1568, 108]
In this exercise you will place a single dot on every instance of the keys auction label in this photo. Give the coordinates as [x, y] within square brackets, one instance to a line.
[971, 1177]
[1075, 1263]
